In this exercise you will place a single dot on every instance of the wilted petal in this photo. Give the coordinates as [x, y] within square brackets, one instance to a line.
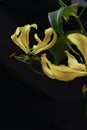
[61, 72]
[46, 43]
[73, 63]
[81, 42]
[21, 37]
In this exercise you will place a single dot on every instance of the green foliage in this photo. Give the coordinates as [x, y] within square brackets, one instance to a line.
[58, 49]
[70, 10]
[56, 19]
[62, 44]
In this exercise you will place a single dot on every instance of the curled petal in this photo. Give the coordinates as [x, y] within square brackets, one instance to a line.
[61, 72]
[21, 37]
[46, 43]
[81, 42]
[73, 63]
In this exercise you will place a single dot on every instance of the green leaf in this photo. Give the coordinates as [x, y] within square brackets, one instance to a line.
[62, 44]
[58, 49]
[56, 17]
[74, 50]
[70, 10]
[56, 20]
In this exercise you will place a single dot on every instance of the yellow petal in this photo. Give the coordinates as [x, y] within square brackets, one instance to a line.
[21, 37]
[46, 43]
[81, 42]
[73, 63]
[61, 72]
[84, 89]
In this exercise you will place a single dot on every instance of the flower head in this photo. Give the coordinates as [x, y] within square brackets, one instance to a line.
[74, 68]
[21, 39]
[80, 41]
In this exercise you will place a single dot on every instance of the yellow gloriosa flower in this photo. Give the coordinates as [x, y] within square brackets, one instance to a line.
[74, 68]
[73, 63]
[47, 42]
[21, 39]
[81, 42]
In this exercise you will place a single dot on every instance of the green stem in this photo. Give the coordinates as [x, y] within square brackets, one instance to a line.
[62, 3]
[37, 58]
[81, 26]
[36, 71]
[82, 11]
[78, 19]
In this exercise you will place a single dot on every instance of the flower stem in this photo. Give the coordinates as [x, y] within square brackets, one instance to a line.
[81, 26]
[82, 10]
[78, 19]
[36, 71]
[62, 3]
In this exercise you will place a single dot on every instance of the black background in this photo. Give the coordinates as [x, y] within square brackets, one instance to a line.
[29, 100]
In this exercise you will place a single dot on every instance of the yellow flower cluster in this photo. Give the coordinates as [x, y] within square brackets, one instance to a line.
[58, 72]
